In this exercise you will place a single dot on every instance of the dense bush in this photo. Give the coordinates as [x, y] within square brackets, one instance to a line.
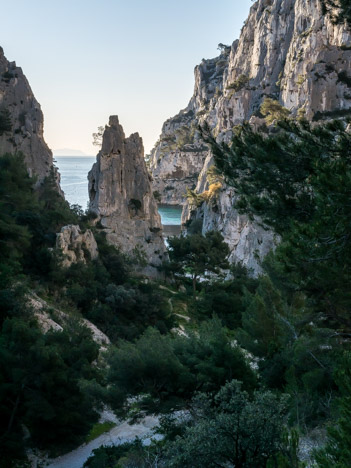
[170, 369]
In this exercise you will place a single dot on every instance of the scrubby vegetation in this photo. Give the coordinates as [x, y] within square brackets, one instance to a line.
[339, 10]
[238, 367]
[273, 111]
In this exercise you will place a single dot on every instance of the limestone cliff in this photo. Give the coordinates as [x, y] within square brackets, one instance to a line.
[121, 195]
[76, 246]
[290, 52]
[287, 51]
[179, 155]
[25, 134]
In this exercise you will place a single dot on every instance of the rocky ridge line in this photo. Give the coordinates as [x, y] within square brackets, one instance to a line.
[17, 102]
[289, 52]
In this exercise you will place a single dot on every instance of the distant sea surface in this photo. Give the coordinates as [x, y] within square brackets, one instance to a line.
[74, 182]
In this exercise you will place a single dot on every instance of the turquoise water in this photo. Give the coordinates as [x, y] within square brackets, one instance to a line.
[170, 215]
[74, 172]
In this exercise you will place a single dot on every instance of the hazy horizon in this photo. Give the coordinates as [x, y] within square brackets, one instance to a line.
[86, 62]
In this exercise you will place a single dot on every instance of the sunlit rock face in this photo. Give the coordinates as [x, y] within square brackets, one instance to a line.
[121, 196]
[179, 155]
[290, 52]
[27, 121]
[287, 51]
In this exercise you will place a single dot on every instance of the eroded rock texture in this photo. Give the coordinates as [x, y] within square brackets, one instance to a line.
[75, 245]
[18, 104]
[121, 196]
[287, 51]
[179, 155]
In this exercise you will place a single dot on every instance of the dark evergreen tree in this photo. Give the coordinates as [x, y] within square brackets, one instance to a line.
[238, 430]
[197, 255]
[298, 180]
[339, 10]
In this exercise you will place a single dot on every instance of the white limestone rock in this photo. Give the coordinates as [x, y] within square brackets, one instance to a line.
[287, 51]
[76, 246]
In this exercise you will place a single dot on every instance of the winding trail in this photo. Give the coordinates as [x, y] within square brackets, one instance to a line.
[124, 432]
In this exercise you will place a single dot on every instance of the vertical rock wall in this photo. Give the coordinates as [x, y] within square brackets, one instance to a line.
[27, 121]
[121, 195]
[287, 51]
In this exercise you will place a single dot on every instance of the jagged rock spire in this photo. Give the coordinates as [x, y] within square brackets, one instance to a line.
[121, 195]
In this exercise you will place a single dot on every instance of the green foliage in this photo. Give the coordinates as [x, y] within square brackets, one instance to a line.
[295, 354]
[16, 199]
[344, 78]
[339, 10]
[48, 382]
[98, 429]
[105, 294]
[198, 255]
[239, 83]
[337, 452]
[157, 196]
[225, 299]
[168, 370]
[29, 219]
[40, 386]
[135, 204]
[238, 430]
[213, 175]
[194, 198]
[299, 182]
[127, 455]
[264, 321]
[273, 111]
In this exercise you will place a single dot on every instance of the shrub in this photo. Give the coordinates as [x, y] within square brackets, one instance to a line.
[273, 111]
[239, 83]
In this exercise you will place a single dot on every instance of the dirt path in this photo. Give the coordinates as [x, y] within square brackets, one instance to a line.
[122, 433]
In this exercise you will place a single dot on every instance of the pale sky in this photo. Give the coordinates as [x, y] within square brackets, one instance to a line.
[88, 59]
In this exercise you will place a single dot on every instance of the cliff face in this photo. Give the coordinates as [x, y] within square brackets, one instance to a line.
[18, 103]
[290, 52]
[121, 195]
[179, 155]
[287, 51]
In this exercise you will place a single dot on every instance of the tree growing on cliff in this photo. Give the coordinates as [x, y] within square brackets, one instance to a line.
[97, 136]
[299, 182]
[273, 111]
[197, 255]
[339, 10]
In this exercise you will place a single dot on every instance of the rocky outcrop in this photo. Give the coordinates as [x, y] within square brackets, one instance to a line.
[249, 242]
[121, 196]
[179, 155]
[19, 107]
[76, 246]
[290, 52]
[287, 51]
[53, 319]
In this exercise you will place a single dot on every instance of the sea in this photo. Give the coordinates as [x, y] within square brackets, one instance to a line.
[74, 182]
